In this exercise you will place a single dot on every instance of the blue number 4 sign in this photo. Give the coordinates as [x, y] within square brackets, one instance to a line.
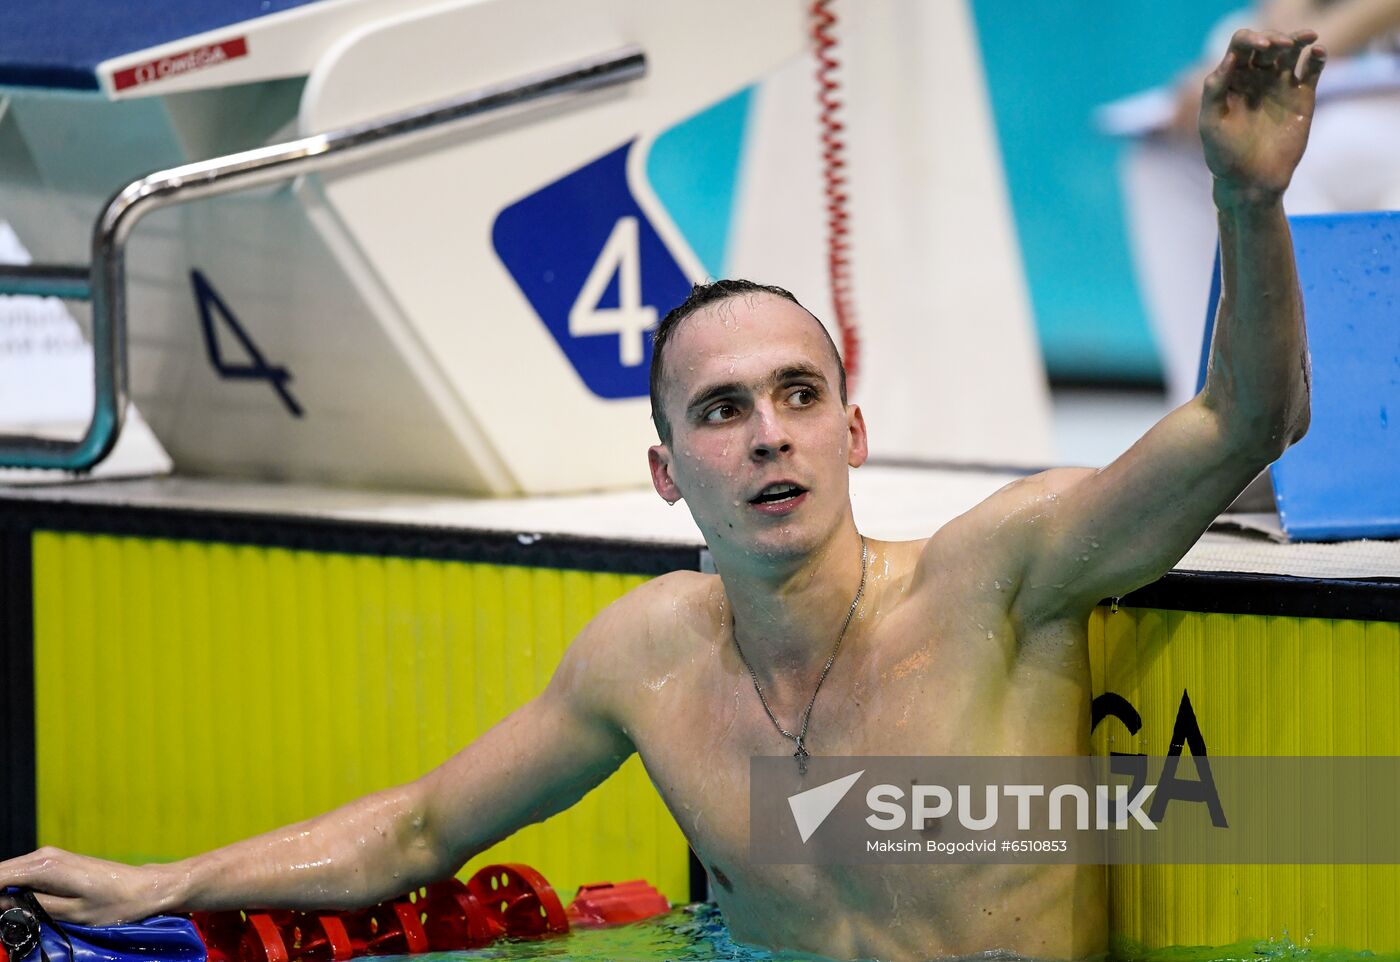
[595, 271]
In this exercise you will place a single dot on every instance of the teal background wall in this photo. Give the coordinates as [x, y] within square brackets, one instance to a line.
[1048, 64]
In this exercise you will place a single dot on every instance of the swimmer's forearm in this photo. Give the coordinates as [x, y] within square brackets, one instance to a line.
[1257, 382]
[369, 850]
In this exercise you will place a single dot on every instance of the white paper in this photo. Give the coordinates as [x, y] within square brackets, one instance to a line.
[45, 364]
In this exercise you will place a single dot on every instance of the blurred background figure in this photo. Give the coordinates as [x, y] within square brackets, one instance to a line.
[1350, 164]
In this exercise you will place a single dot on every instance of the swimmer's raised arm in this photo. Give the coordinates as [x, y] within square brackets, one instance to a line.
[1088, 535]
[535, 762]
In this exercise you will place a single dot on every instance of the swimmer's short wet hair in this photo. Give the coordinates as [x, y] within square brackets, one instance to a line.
[702, 296]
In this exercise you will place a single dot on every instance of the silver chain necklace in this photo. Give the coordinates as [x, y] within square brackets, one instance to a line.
[800, 739]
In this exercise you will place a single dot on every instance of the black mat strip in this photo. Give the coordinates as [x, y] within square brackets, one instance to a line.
[1261, 594]
[17, 773]
[526, 548]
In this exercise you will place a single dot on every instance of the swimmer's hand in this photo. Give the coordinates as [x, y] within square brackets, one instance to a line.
[88, 891]
[1256, 111]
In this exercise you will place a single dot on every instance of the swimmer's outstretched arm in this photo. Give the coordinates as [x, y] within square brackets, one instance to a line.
[1091, 535]
[537, 761]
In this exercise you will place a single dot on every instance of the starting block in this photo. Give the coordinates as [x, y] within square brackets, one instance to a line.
[435, 300]
[425, 244]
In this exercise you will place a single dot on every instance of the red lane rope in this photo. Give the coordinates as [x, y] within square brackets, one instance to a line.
[834, 184]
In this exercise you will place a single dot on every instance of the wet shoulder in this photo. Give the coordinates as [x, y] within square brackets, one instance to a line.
[991, 541]
[650, 624]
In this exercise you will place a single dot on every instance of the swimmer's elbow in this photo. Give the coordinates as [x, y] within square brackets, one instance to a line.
[1259, 434]
[1286, 430]
[1302, 420]
[422, 854]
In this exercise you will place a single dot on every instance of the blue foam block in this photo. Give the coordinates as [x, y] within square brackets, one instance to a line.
[1342, 481]
[59, 43]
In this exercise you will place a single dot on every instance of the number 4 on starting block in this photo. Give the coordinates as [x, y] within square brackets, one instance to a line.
[595, 271]
[621, 259]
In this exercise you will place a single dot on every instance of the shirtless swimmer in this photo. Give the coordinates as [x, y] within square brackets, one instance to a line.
[757, 438]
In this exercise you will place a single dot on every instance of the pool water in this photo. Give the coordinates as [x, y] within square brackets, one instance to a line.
[1281, 948]
[698, 932]
[688, 932]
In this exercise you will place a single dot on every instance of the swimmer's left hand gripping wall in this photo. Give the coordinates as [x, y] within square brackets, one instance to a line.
[473, 313]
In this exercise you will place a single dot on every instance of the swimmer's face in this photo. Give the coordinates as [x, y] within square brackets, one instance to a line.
[760, 440]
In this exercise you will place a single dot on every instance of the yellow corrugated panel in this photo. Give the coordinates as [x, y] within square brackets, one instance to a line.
[190, 694]
[1259, 686]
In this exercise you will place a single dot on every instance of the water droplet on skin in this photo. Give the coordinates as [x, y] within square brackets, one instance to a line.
[997, 584]
[1093, 544]
[1083, 557]
[991, 635]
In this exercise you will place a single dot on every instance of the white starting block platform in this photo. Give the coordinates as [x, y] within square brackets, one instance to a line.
[419, 317]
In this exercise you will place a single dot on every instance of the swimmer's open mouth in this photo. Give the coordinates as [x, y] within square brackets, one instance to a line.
[777, 492]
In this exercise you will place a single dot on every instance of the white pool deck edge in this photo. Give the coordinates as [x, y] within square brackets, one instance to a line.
[891, 503]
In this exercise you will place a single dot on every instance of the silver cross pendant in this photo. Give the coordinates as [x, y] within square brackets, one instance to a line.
[801, 755]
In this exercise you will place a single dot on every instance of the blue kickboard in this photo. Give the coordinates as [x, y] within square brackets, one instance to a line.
[1342, 481]
[60, 43]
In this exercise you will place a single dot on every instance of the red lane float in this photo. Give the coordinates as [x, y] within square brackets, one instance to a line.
[389, 928]
[520, 899]
[500, 901]
[454, 919]
[607, 904]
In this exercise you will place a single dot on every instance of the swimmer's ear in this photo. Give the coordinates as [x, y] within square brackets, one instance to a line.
[659, 458]
[860, 441]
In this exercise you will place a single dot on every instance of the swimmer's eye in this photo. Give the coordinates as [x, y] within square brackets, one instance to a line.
[720, 412]
[803, 396]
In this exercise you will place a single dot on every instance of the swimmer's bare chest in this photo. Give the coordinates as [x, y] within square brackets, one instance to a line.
[923, 678]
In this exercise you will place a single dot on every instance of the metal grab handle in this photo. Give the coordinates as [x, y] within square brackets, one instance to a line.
[104, 283]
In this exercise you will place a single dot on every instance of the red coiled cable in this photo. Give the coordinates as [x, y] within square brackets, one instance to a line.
[835, 180]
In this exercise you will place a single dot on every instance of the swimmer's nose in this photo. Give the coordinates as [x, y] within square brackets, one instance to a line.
[770, 435]
[765, 451]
